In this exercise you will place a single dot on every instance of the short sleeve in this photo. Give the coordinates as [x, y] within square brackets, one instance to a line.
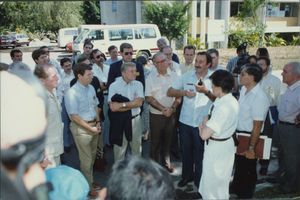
[71, 102]
[178, 83]
[260, 108]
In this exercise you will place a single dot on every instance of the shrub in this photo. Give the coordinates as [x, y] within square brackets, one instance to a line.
[273, 40]
[196, 42]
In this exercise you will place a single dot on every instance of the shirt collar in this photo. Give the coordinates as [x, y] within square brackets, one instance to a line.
[158, 74]
[294, 86]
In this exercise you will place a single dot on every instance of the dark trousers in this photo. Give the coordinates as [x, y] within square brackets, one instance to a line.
[161, 135]
[289, 145]
[67, 135]
[192, 147]
[245, 177]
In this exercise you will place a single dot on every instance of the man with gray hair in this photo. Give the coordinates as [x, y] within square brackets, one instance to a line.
[125, 97]
[161, 43]
[54, 134]
[288, 128]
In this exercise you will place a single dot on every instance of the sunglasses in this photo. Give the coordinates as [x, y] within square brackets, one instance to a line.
[99, 56]
[127, 53]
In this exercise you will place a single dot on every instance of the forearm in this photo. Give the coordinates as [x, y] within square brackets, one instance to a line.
[175, 93]
[176, 102]
[257, 125]
[154, 103]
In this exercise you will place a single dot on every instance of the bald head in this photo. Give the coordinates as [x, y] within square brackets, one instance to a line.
[20, 121]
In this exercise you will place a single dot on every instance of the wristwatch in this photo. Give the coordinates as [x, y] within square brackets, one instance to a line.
[124, 105]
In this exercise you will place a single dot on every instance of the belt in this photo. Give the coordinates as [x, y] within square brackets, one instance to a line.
[92, 121]
[219, 139]
[135, 116]
[286, 123]
[233, 136]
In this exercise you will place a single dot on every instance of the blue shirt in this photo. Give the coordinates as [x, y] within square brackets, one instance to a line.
[82, 100]
[196, 108]
[131, 90]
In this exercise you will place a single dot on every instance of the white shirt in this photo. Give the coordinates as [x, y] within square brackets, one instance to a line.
[101, 73]
[186, 68]
[64, 85]
[131, 90]
[271, 85]
[215, 69]
[157, 86]
[254, 105]
[224, 116]
[196, 108]
[175, 67]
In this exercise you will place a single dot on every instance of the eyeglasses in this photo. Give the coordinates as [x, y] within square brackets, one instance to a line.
[127, 53]
[88, 47]
[99, 56]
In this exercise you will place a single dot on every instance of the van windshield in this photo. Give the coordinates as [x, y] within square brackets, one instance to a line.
[81, 36]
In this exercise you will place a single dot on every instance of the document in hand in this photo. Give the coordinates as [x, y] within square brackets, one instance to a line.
[262, 149]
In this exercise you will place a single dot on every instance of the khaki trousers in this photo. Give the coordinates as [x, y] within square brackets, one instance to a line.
[135, 144]
[86, 143]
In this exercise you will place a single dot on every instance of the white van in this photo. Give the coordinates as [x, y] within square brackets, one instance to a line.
[66, 35]
[143, 37]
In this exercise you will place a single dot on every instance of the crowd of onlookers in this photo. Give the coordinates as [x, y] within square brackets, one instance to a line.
[191, 111]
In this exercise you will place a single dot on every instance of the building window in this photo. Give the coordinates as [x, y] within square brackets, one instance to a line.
[235, 8]
[282, 10]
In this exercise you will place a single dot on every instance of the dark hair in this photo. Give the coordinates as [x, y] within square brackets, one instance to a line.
[88, 42]
[208, 57]
[40, 72]
[142, 59]
[64, 60]
[112, 47]
[262, 52]
[82, 58]
[210, 51]
[125, 46]
[189, 47]
[80, 68]
[95, 51]
[223, 79]
[12, 52]
[250, 57]
[254, 70]
[37, 53]
[268, 61]
[148, 181]
[44, 47]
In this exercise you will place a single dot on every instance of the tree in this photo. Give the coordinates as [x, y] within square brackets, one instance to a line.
[91, 12]
[171, 18]
[248, 15]
[40, 16]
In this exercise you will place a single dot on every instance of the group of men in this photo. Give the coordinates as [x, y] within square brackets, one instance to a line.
[97, 96]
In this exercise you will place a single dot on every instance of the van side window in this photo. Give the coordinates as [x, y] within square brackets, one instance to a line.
[96, 35]
[120, 34]
[144, 33]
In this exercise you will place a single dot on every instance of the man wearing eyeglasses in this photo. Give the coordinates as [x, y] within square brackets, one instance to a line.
[126, 51]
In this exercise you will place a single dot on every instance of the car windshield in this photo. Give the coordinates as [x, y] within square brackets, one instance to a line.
[81, 36]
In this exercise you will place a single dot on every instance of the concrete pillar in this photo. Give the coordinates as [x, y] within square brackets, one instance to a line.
[225, 14]
[211, 16]
[203, 21]
[194, 19]
[138, 10]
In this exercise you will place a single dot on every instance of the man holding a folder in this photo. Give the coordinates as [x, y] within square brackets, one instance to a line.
[254, 105]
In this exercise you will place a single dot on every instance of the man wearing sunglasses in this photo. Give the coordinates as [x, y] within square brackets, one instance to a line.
[126, 51]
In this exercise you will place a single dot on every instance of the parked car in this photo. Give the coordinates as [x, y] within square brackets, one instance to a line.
[7, 41]
[13, 40]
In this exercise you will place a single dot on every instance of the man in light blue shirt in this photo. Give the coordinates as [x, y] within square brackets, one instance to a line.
[113, 52]
[81, 104]
[127, 87]
[197, 99]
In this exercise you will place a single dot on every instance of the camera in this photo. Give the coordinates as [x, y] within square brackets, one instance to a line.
[242, 59]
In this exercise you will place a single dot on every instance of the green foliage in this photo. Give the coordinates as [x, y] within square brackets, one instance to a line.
[250, 20]
[196, 42]
[171, 18]
[91, 12]
[296, 40]
[42, 16]
[239, 36]
[273, 40]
